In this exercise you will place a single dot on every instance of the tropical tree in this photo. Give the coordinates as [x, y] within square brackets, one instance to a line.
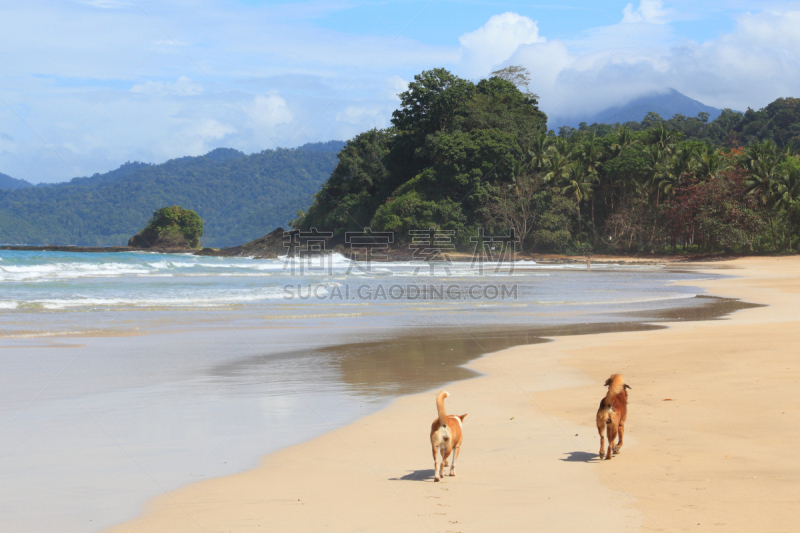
[515, 206]
[431, 102]
[674, 168]
[710, 163]
[664, 138]
[623, 138]
[592, 154]
[557, 160]
[786, 189]
[578, 182]
[762, 161]
[519, 76]
[539, 152]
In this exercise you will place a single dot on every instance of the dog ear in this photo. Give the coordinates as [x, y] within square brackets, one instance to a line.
[627, 386]
[607, 383]
[462, 417]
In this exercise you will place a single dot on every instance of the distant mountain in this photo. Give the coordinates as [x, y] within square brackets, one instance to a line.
[239, 197]
[7, 182]
[664, 104]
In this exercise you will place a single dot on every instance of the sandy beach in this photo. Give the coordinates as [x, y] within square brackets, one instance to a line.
[710, 440]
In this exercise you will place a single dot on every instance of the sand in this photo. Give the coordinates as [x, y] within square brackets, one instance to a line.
[710, 445]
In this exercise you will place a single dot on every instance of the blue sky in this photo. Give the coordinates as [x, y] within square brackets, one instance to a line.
[89, 84]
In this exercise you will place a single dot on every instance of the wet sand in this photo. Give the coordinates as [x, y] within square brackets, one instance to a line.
[709, 444]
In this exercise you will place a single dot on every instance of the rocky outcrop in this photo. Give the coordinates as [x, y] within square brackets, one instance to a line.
[269, 246]
[163, 240]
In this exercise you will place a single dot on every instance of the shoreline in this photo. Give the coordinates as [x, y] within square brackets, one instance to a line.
[539, 398]
[403, 255]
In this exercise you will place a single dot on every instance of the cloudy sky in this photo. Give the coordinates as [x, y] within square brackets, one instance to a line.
[86, 85]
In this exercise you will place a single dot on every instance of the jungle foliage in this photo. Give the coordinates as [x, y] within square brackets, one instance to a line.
[463, 156]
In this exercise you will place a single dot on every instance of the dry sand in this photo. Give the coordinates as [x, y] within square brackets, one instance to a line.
[719, 455]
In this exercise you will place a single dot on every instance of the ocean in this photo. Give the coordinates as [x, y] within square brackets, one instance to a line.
[126, 375]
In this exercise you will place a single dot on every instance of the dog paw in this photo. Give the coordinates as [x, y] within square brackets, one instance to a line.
[616, 449]
[436, 478]
[452, 473]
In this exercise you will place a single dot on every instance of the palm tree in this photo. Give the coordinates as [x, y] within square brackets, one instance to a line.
[578, 182]
[557, 160]
[655, 159]
[665, 139]
[671, 171]
[592, 154]
[624, 138]
[786, 190]
[710, 163]
[539, 152]
[762, 161]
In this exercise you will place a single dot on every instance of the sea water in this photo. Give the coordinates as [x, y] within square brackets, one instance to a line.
[125, 375]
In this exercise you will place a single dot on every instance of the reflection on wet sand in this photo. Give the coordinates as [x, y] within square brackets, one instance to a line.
[713, 308]
[416, 360]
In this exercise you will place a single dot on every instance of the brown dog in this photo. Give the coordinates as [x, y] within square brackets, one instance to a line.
[612, 413]
[446, 437]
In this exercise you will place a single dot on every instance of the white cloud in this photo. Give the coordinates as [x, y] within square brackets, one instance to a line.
[650, 10]
[395, 85]
[496, 40]
[209, 129]
[751, 66]
[366, 117]
[184, 86]
[269, 110]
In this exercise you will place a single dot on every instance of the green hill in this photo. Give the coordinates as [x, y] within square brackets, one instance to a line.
[472, 160]
[666, 104]
[240, 197]
[7, 182]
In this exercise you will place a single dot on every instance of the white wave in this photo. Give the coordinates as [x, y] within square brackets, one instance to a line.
[8, 304]
[182, 301]
[68, 271]
[39, 334]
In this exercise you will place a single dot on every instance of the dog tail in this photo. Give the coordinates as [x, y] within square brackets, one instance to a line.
[440, 406]
[615, 384]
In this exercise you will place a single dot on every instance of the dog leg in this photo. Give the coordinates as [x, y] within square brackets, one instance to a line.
[602, 442]
[456, 451]
[436, 468]
[612, 434]
[621, 432]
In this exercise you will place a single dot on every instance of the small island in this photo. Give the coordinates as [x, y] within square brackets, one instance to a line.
[170, 228]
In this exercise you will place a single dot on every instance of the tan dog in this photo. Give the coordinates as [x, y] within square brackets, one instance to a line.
[612, 413]
[446, 437]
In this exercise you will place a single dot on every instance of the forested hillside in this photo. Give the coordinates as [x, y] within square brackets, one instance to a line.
[453, 143]
[778, 122]
[463, 156]
[7, 182]
[239, 197]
